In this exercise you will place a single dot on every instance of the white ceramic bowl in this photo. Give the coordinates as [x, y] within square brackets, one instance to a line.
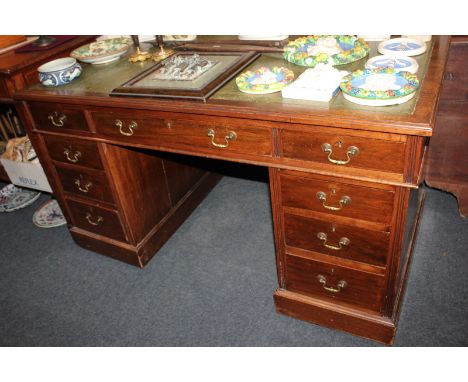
[59, 72]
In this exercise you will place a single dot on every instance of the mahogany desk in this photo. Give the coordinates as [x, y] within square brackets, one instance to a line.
[344, 179]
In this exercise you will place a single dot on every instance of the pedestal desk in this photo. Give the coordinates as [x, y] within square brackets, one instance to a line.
[344, 179]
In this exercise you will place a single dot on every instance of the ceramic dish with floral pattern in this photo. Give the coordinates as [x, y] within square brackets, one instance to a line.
[101, 52]
[337, 50]
[13, 198]
[402, 47]
[49, 215]
[399, 63]
[264, 80]
[379, 87]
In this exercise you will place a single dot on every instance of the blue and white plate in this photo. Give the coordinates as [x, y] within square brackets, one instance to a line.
[13, 198]
[49, 215]
[399, 64]
[402, 47]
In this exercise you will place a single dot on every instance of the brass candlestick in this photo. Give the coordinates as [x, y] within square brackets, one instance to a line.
[163, 53]
[139, 55]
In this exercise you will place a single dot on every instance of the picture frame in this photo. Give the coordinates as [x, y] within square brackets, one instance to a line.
[148, 84]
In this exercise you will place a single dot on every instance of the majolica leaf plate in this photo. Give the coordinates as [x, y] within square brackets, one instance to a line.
[337, 50]
[264, 80]
[379, 87]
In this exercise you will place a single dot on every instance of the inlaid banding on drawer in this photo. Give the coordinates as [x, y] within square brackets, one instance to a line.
[337, 198]
[331, 147]
[58, 117]
[97, 220]
[89, 184]
[217, 135]
[73, 151]
[332, 282]
[339, 240]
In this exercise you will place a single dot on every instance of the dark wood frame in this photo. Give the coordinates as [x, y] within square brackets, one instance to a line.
[128, 88]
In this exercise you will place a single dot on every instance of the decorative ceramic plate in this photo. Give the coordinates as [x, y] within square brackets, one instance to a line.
[401, 63]
[49, 215]
[402, 47]
[101, 52]
[264, 80]
[13, 198]
[337, 50]
[379, 87]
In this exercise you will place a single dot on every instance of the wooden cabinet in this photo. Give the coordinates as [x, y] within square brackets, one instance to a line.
[344, 181]
[447, 167]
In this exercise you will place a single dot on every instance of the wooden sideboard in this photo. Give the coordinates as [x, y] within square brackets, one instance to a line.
[343, 178]
[447, 166]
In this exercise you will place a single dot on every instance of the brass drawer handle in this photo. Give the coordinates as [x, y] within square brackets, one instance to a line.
[98, 221]
[84, 188]
[72, 157]
[351, 151]
[60, 118]
[130, 129]
[343, 241]
[323, 280]
[322, 196]
[231, 136]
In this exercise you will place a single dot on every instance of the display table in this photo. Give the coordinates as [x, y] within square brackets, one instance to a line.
[345, 220]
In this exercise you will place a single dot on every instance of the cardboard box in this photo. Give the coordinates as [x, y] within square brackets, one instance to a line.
[29, 175]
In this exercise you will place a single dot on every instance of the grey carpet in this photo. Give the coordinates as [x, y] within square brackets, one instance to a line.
[210, 285]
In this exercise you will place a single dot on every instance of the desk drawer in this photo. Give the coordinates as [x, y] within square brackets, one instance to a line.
[339, 148]
[97, 220]
[335, 283]
[89, 184]
[329, 195]
[58, 117]
[74, 151]
[333, 239]
[186, 132]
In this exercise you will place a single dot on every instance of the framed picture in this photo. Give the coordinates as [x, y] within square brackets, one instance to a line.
[193, 75]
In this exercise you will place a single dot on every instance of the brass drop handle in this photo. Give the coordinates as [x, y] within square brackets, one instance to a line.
[56, 119]
[350, 152]
[90, 220]
[323, 280]
[343, 241]
[231, 136]
[126, 131]
[84, 188]
[322, 196]
[72, 157]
